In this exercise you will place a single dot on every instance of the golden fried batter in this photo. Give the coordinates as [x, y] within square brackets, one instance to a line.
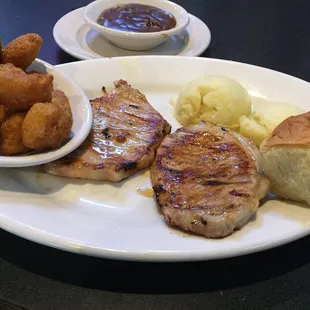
[3, 114]
[22, 51]
[19, 90]
[48, 125]
[59, 98]
[11, 133]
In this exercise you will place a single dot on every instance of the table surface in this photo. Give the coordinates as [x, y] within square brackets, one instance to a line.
[273, 34]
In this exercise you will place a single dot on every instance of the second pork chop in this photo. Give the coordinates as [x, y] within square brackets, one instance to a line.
[206, 180]
[125, 135]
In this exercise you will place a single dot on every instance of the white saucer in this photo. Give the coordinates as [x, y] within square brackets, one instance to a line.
[76, 38]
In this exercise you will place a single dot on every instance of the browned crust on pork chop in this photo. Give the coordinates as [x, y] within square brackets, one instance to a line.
[125, 135]
[206, 180]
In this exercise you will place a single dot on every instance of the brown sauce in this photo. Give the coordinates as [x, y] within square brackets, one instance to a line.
[135, 17]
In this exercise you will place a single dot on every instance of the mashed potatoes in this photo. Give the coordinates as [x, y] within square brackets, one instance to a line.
[224, 102]
[215, 99]
[265, 117]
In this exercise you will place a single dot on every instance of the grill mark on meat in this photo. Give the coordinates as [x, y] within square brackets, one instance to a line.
[203, 221]
[158, 189]
[127, 165]
[214, 183]
[121, 138]
[239, 194]
[120, 143]
[106, 133]
[99, 166]
[205, 196]
[153, 123]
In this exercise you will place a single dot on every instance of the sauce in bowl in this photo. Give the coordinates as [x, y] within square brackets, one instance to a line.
[135, 17]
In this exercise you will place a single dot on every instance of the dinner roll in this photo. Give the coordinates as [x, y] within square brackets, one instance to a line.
[285, 158]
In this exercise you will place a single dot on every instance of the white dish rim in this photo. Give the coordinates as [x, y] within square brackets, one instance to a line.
[160, 256]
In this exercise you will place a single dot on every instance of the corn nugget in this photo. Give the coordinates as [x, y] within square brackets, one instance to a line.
[19, 90]
[47, 125]
[11, 133]
[22, 51]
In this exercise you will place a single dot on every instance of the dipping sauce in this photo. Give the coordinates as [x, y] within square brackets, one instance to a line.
[134, 17]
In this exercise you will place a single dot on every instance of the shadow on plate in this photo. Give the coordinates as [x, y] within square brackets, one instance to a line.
[173, 46]
[63, 57]
[156, 278]
[34, 180]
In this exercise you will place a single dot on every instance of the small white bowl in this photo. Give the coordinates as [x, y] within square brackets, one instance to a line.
[82, 120]
[134, 40]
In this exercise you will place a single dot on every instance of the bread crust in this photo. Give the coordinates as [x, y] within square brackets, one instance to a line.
[293, 131]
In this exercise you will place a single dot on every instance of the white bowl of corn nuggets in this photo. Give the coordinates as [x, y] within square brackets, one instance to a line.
[44, 115]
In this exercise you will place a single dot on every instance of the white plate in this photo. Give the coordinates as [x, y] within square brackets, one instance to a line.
[82, 120]
[76, 38]
[113, 220]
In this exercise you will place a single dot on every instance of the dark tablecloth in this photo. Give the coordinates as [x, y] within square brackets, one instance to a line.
[269, 33]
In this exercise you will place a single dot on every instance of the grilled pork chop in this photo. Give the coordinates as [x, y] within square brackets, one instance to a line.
[125, 135]
[206, 180]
